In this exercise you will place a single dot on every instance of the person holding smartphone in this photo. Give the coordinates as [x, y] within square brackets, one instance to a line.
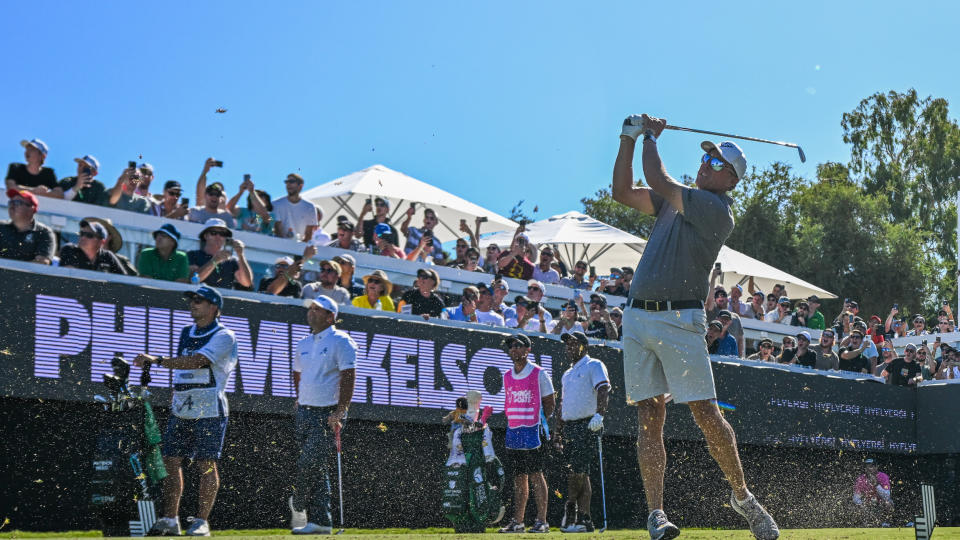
[413, 234]
[84, 187]
[514, 263]
[124, 196]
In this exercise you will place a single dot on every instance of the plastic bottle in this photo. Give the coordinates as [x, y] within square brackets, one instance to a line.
[195, 278]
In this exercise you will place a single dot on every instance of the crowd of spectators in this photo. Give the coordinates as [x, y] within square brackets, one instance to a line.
[849, 343]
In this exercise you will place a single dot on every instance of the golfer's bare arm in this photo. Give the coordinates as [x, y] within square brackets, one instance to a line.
[549, 404]
[656, 175]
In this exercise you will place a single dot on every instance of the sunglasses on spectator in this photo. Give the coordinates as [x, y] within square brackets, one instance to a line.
[473, 259]
[515, 345]
[381, 205]
[291, 181]
[282, 265]
[921, 353]
[715, 163]
[19, 202]
[374, 280]
[885, 349]
[533, 288]
[767, 346]
[174, 193]
[88, 234]
[617, 315]
[327, 270]
[217, 233]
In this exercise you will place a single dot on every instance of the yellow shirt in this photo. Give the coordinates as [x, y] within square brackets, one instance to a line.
[386, 304]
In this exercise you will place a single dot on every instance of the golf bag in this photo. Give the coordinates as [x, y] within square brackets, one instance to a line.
[473, 492]
[127, 466]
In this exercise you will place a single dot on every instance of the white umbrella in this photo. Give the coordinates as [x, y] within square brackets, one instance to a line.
[576, 236]
[347, 194]
[738, 268]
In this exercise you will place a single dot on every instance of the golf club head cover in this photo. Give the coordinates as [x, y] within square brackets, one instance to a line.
[633, 126]
[487, 411]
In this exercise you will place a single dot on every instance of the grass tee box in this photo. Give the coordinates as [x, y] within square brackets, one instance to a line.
[942, 533]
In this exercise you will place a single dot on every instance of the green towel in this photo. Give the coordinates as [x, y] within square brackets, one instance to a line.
[153, 461]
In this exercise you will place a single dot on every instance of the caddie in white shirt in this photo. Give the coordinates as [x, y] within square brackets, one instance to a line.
[585, 390]
[324, 371]
[206, 355]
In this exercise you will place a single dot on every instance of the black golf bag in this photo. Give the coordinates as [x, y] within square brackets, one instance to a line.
[472, 493]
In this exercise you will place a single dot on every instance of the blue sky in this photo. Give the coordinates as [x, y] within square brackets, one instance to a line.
[493, 101]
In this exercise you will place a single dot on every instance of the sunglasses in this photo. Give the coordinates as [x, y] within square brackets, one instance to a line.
[291, 181]
[381, 205]
[86, 234]
[515, 345]
[217, 233]
[715, 163]
[173, 193]
[374, 281]
[766, 346]
[327, 270]
[19, 202]
[533, 288]
[617, 315]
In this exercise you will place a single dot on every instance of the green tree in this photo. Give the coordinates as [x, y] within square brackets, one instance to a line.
[907, 150]
[602, 207]
[761, 203]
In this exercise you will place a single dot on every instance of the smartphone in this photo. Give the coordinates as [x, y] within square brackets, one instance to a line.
[938, 339]
[131, 164]
[218, 163]
[229, 242]
[896, 307]
[369, 201]
[185, 201]
[246, 178]
[851, 319]
[413, 206]
[483, 219]
[463, 223]
[87, 170]
[924, 343]
[717, 266]
[523, 223]
[593, 271]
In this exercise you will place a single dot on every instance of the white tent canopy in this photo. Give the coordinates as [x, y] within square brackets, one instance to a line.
[576, 237]
[737, 268]
[347, 194]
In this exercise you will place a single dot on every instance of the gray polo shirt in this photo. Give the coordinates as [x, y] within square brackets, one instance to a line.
[682, 248]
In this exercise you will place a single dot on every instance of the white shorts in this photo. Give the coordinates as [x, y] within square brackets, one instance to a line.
[666, 352]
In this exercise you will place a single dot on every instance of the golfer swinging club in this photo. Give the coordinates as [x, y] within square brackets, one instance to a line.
[585, 391]
[664, 324]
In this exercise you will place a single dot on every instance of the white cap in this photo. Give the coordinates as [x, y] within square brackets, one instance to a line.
[284, 260]
[537, 284]
[731, 153]
[324, 302]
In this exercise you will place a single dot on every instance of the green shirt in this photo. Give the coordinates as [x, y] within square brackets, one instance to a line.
[172, 269]
[816, 321]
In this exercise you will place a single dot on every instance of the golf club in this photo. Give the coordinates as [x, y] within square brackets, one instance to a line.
[336, 438]
[803, 157]
[603, 489]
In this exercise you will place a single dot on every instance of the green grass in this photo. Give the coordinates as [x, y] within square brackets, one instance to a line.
[941, 533]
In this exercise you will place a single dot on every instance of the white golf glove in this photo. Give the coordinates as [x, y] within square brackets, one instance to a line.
[633, 126]
[596, 423]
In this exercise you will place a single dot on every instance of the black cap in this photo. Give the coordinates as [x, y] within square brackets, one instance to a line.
[522, 300]
[521, 338]
[599, 298]
[724, 313]
[171, 184]
[346, 225]
[716, 324]
[766, 341]
[579, 336]
[814, 298]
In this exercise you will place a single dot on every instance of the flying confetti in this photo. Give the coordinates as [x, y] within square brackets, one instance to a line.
[382, 427]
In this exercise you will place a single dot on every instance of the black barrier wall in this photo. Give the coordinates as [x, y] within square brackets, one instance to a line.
[802, 436]
[60, 334]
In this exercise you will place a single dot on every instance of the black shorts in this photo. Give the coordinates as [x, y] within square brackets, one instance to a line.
[579, 446]
[527, 461]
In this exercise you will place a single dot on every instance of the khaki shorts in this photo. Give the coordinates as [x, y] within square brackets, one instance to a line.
[665, 352]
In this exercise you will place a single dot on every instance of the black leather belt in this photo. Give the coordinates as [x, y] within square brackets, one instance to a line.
[665, 305]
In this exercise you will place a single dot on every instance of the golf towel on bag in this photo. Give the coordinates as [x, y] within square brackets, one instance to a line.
[472, 495]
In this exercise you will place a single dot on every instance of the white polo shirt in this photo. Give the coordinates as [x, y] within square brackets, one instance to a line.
[579, 386]
[489, 317]
[319, 359]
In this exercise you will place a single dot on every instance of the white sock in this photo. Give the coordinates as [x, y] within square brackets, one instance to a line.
[741, 501]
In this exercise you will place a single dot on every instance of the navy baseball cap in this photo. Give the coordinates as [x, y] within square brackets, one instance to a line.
[207, 293]
[579, 336]
[169, 230]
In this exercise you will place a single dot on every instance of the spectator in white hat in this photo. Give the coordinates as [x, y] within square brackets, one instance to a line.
[146, 178]
[214, 264]
[32, 176]
[83, 187]
[543, 271]
[124, 196]
[286, 280]
[485, 305]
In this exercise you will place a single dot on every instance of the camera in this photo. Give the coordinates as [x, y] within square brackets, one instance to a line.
[482, 219]
[131, 164]
[185, 201]
[368, 202]
[218, 163]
